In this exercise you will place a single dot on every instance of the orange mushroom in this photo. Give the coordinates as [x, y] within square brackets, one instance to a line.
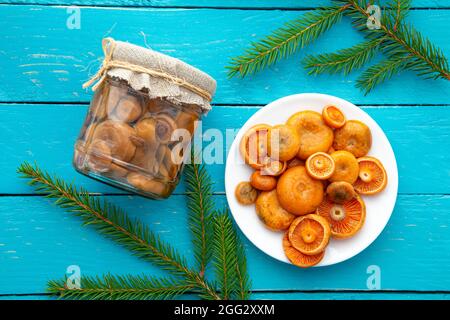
[346, 167]
[345, 219]
[309, 234]
[271, 213]
[333, 116]
[354, 137]
[263, 182]
[297, 258]
[298, 193]
[284, 142]
[372, 176]
[320, 165]
[254, 145]
[245, 193]
[314, 134]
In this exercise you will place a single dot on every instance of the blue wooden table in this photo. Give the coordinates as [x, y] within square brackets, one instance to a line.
[43, 63]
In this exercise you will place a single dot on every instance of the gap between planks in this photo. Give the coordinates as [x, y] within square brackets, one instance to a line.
[192, 7]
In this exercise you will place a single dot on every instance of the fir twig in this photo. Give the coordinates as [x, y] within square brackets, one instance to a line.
[381, 72]
[200, 204]
[114, 223]
[345, 60]
[395, 38]
[285, 41]
[402, 40]
[128, 287]
[229, 259]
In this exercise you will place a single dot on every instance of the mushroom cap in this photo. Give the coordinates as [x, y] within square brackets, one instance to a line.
[297, 258]
[245, 193]
[346, 167]
[147, 184]
[340, 192]
[372, 177]
[354, 137]
[314, 134]
[99, 156]
[345, 219]
[146, 129]
[271, 213]
[263, 182]
[298, 193]
[309, 234]
[117, 136]
[164, 127]
[333, 116]
[254, 145]
[128, 109]
[320, 165]
[284, 142]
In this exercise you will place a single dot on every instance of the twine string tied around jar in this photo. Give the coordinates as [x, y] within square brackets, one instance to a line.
[108, 45]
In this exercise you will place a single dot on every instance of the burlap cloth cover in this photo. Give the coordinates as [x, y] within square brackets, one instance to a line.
[157, 74]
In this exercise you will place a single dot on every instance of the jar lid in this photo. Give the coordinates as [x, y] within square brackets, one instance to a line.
[157, 74]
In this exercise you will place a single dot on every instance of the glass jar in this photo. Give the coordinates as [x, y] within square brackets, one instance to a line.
[127, 139]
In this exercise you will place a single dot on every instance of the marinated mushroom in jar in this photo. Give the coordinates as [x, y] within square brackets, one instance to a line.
[117, 137]
[128, 109]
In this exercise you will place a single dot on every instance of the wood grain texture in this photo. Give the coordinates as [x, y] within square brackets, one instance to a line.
[46, 133]
[273, 295]
[269, 4]
[49, 62]
[38, 241]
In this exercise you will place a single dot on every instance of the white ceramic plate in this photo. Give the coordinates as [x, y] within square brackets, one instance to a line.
[379, 207]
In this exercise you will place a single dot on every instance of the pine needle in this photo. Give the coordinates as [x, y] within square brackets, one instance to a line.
[395, 38]
[344, 60]
[200, 204]
[381, 72]
[284, 41]
[229, 259]
[128, 287]
[111, 221]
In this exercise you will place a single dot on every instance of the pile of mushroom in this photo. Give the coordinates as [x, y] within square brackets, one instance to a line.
[309, 176]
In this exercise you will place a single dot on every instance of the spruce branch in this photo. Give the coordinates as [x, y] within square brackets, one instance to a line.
[344, 60]
[200, 204]
[229, 259]
[111, 221]
[284, 41]
[402, 38]
[381, 72]
[127, 287]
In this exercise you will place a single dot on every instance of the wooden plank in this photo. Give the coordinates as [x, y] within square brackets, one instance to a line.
[50, 62]
[38, 241]
[46, 134]
[335, 295]
[287, 4]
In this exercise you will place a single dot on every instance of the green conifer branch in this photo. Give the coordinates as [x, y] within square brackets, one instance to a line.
[345, 60]
[229, 259]
[284, 41]
[128, 287]
[394, 38]
[114, 223]
[381, 72]
[201, 205]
